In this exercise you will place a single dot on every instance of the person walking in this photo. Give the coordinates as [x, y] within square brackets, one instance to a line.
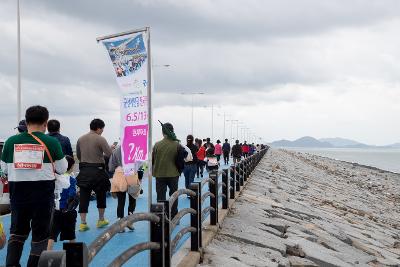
[115, 165]
[64, 215]
[245, 149]
[226, 149]
[21, 126]
[191, 166]
[53, 127]
[201, 154]
[236, 152]
[90, 150]
[31, 160]
[165, 153]
[212, 163]
[218, 150]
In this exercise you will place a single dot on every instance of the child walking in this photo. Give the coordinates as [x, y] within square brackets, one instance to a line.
[64, 215]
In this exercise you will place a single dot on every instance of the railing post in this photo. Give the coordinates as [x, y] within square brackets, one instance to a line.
[76, 254]
[225, 190]
[200, 217]
[214, 200]
[237, 176]
[232, 182]
[241, 172]
[167, 233]
[245, 168]
[157, 234]
[52, 259]
[194, 218]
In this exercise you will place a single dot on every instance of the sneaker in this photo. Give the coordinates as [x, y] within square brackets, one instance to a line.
[130, 226]
[83, 227]
[123, 229]
[101, 223]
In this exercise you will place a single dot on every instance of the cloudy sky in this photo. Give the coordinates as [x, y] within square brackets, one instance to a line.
[284, 68]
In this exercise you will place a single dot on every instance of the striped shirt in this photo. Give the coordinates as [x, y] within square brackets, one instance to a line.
[32, 184]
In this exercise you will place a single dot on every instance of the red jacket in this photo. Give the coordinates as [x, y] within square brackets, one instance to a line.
[201, 154]
[245, 149]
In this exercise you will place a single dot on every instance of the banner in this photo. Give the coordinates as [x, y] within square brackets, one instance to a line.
[129, 56]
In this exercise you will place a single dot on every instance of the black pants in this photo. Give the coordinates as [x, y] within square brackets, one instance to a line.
[161, 189]
[200, 168]
[85, 198]
[121, 204]
[24, 218]
[226, 157]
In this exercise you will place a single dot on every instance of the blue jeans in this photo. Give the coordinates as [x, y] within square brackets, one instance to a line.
[189, 171]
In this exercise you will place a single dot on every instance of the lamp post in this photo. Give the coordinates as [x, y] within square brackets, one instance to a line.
[231, 135]
[192, 95]
[237, 128]
[224, 115]
[18, 64]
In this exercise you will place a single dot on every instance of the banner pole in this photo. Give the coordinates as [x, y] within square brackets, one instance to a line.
[150, 123]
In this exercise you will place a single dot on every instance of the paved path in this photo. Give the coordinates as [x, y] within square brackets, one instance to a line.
[120, 242]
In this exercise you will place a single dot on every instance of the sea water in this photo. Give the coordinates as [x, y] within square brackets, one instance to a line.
[385, 159]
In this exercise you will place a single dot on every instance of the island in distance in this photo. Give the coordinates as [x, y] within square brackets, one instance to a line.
[308, 141]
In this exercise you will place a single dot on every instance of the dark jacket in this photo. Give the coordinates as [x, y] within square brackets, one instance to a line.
[193, 148]
[68, 194]
[65, 143]
[226, 148]
[236, 151]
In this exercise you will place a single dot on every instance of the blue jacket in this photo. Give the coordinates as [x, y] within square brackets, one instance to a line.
[68, 193]
[65, 143]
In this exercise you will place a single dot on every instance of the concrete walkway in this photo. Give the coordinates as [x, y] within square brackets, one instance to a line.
[120, 242]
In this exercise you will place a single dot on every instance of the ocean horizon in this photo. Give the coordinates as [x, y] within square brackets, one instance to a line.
[381, 158]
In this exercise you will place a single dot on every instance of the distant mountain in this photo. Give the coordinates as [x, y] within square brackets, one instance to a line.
[338, 142]
[306, 141]
[341, 142]
[395, 145]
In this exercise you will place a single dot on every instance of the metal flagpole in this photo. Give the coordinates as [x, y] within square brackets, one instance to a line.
[149, 141]
[19, 64]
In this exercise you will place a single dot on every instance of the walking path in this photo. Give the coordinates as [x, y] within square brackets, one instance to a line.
[121, 242]
[304, 210]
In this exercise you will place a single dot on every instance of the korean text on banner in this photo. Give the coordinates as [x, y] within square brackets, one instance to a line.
[129, 57]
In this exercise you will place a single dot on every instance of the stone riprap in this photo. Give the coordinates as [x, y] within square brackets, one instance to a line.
[304, 210]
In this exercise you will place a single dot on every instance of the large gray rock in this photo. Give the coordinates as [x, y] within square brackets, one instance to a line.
[304, 210]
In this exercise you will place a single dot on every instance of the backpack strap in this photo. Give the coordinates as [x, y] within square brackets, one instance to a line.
[47, 152]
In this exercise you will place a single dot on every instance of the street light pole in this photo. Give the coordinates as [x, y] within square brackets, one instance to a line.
[19, 64]
[192, 115]
[212, 122]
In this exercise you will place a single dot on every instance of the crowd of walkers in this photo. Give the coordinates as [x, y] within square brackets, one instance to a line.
[45, 193]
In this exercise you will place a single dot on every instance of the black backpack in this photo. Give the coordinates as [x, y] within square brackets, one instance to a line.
[180, 158]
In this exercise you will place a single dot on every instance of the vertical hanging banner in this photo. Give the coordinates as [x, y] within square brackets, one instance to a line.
[130, 59]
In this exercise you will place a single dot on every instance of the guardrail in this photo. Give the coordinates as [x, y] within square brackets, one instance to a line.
[162, 245]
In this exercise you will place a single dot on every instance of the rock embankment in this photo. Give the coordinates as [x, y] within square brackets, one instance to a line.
[304, 210]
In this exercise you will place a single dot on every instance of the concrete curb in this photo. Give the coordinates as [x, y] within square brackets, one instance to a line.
[192, 258]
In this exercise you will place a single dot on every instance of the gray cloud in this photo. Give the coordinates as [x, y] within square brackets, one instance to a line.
[248, 54]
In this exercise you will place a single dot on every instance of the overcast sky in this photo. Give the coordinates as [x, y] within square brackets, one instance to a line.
[285, 69]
